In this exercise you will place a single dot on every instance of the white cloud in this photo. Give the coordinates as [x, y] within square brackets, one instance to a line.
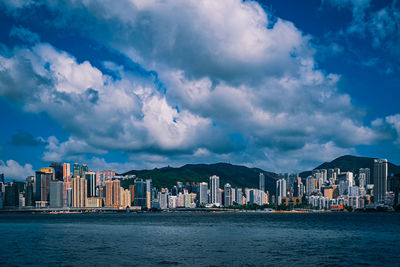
[227, 71]
[13, 170]
[394, 122]
[56, 151]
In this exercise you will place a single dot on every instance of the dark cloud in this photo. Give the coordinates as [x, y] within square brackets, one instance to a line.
[23, 138]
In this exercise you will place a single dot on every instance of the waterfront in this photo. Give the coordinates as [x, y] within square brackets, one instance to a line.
[200, 239]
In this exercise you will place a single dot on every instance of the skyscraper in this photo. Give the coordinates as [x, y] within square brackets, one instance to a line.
[227, 195]
[42, 183]
[58, 170]
[132, 191]
[91, 182]
[380, 180]
[56, 194]
[140, 193]
[84, 170]
[79, 192]
[29, 196]
[66, 171]
[149, 185]
[367, 174]
[262, 181]
[117, 197]
[214, 190]
[280, 190]
[76, 170]
[203, 193]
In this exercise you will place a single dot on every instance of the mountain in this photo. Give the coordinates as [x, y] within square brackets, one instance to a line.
[237, 176]
[353, 164]
[241, 176]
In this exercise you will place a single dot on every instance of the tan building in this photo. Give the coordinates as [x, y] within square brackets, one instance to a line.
[79, 192]
[328, 192]
[125, 198]
[113, 194]
[94, 202]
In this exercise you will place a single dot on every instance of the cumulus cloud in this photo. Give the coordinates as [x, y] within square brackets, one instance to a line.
[56, 151]
[13, 170]
[235, 82]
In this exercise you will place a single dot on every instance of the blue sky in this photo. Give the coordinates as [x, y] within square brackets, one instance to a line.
[280, 85]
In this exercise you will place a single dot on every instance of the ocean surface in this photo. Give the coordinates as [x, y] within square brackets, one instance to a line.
[189, 239]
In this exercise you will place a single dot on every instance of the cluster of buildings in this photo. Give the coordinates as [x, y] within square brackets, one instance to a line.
[62, 186]
[335, 190]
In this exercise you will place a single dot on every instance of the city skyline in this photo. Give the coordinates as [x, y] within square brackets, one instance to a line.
[271, 84]
[56, 188]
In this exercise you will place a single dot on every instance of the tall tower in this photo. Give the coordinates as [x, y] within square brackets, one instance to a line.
[227, 195]
[380, 180]
[140, 193]
[214, 189]
[66, 171]
[262, 182]
[91, 182]
[366, 172]
[56, 194]
[79, 192]
[76, 170]
[203, 193]
[149, 185]
[280, 190]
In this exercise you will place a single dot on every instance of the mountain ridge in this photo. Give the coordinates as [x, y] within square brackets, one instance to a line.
[242, 176]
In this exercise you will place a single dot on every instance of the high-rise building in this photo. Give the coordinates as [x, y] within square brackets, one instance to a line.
[66, 171]
[298, 188]
[132, 191]
[310, 185]
[29, 195]
[58, 170]
[203, 193]
[117, 198]
[76, 170]
[56, 194]
[91, 182]
[140, 193]
[149, 198]
[214, 190]
[113, 193]
[367, 173]
[11, 196]
[79, 192]
[380, 180]
[84, 170]
[262, 182]
[42, 183]
[69, 199]
[227, 195]
[239, 196]
[280, 190]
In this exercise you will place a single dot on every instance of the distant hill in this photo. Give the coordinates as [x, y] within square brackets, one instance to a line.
[236, 175]
[241, 176]
[352, 164]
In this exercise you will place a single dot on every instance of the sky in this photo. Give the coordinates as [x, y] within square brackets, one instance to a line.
[279, 85]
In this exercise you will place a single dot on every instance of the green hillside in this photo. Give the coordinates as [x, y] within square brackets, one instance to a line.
[237, 176]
